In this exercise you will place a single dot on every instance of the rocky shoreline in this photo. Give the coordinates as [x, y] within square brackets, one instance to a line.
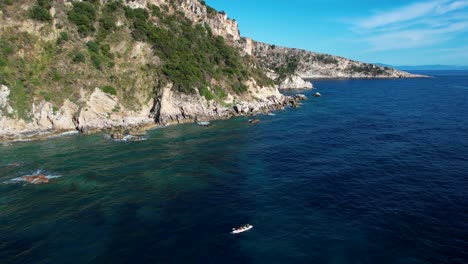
[187, 111]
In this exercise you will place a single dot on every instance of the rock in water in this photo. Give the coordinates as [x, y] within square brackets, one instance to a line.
[254, 121]
[295, 82]
[117, 136]
[317, 94]
[301, 97]
[36, 179]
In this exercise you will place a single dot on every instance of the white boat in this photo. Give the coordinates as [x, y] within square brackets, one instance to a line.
[237, 231]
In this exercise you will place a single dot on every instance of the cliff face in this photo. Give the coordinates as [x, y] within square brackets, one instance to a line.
[198, 13]
[108, 64]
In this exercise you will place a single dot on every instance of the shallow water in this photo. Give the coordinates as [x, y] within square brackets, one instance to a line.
[374, 171]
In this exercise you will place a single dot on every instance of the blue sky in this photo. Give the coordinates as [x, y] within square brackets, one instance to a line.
[394, 32]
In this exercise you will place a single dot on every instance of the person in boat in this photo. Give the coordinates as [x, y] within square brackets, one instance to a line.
[242, 228]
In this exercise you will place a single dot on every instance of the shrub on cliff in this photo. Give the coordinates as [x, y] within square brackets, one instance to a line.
[192, 56]
[40, 13]
[78, 57]
[83, 15]
[205, 92]
[109, 89]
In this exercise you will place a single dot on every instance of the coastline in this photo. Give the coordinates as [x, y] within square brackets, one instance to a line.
[413, 76]
[242, 108]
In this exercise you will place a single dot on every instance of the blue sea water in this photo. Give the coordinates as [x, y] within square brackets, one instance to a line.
[374, 171]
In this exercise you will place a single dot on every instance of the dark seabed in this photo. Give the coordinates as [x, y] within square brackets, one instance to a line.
[374, 171]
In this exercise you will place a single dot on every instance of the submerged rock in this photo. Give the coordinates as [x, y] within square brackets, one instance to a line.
[36, 179]
[13, 165]
[254, 121]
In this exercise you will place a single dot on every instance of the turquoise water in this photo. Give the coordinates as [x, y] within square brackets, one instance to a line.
[372, 172]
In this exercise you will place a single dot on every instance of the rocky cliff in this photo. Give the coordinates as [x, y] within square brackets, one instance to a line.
[92, 65]
[89, 65]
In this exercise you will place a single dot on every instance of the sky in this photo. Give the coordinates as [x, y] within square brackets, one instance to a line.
[397, 32]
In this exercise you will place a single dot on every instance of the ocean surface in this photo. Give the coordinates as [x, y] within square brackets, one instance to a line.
[374, 171]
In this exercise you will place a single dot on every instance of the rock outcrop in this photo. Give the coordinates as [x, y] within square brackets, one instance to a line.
[4, 94]
[104, 111]
[295, 82]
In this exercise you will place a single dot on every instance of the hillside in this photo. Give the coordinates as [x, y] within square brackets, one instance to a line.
[110, 64]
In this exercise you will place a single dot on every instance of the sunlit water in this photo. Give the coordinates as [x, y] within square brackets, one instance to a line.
[374, 171]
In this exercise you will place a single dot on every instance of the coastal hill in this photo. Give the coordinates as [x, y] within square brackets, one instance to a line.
[91, 65]
[311, 65]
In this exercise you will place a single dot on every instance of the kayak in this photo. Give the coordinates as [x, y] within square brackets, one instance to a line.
[242, 230]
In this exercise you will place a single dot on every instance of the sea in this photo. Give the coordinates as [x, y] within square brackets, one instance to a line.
[374, 171]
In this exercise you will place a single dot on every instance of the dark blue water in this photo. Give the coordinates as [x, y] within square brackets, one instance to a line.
[375, 171]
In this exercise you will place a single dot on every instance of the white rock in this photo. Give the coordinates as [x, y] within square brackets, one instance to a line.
[4, 93]
[64, 118]
[295, 82]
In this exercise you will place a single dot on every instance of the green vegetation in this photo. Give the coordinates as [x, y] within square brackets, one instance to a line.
[4, 3]
[6, 49]
[287, 69]
[220, 93]
[83, 15]
[93, 46]
[192, 55]
[63, 37]
[205, 92]
[40, 11]
[108, 21]
[100, 54]
[109, 89]
[13, 73]
[78, 57]
[211, 11]
[367, 68]
[155, 10]
[20, 99]
[326, 59]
